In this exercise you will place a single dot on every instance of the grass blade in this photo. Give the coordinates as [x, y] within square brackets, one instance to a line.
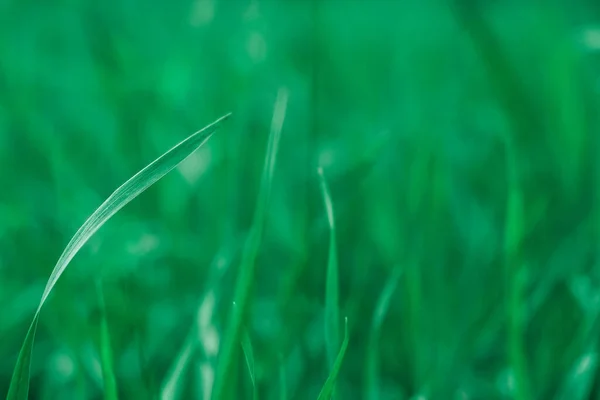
[282, 380]
[106, 355]
[229, 352]
[579, 381]
[19, 384]
[524, 122]
[332, 312]
[249, 355]
[329, 386]
[171, 386]
[383, 304]
[202, 334]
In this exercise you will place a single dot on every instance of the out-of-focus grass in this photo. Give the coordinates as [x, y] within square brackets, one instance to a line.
[332, 312]
[328, 390]
[245, 280]
[106, 356]
[175, 379]
[332, 307]
[372, 389]
[459, 141]
[283, 394]
[249, 355]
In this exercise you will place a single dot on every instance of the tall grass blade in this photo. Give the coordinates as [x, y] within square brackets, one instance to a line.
[229, 351]
[332, 311]
[383, 305]
[201, 335]
[282, 380]
[329, 386]
[249, 355]
[19, 384]
[170, 388]
[106, 354]
[524, 122]
[515, 285]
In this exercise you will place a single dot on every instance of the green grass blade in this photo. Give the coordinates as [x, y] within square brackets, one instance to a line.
[579, 381]
[282, 380]
[332, 311]
[19, 384]
[329, 386]
[249, 355]
[383, 305]
[106, 355]
[170, 387]
[515, 270]
[229, 351]
[524, 122]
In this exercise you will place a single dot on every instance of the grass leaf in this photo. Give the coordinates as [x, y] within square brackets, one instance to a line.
[249, 355]
[229, 351]
[332, 311]
[329, 386]
[19, 384]
[170, 386]
[282, 380]
[383, 304]
[579, 380]
[106, 355]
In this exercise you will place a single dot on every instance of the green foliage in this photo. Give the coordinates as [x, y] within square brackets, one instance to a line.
[332, 307]
[106, 356]
[328, 390]
[459, 142]
[244, 281]
[136, 185]
[249, 355]
[173, 383]
[283, 395]
[372, 389]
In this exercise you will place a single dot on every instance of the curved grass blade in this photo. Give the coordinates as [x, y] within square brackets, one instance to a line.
[229, 351]
[19, 384]
[106, 354]
[383, 304]
[329, 386]
[332, 312]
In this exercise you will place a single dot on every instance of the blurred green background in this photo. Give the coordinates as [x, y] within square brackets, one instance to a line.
[460, 143]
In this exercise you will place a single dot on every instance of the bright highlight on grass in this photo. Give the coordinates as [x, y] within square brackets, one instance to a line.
[19, 385]
[332, 308]
[249, 355]
[332, 312]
